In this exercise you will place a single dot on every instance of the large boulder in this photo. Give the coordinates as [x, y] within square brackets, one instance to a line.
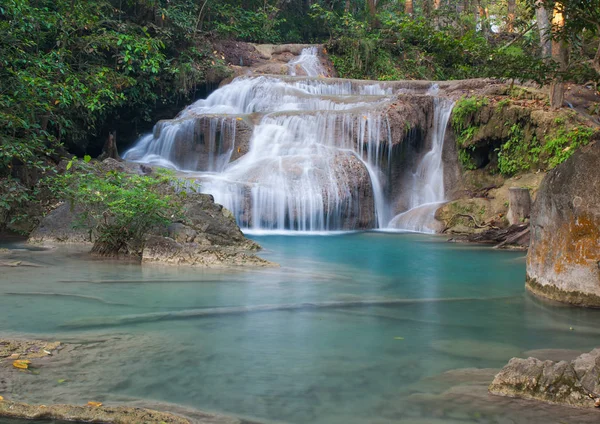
[563, 263]
[574, 383]
[62, 225]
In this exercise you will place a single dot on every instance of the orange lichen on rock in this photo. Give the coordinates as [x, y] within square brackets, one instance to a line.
[581, 242]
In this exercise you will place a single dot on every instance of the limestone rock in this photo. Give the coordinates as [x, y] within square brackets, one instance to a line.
[165, 250]
[563, 263]
[60, 226]
[120, 414]
[207, 236]
[566, 383]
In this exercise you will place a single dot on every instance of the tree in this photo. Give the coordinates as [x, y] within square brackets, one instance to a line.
[543, 24]
[560, 56]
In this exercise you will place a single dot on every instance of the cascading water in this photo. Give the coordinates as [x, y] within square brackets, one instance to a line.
[316, 160]
[426, 188]
[309, 62]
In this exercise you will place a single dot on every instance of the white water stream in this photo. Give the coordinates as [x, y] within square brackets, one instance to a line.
[427, 183]
[317, 158]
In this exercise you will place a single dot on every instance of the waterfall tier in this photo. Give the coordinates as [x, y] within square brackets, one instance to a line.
[296, 153]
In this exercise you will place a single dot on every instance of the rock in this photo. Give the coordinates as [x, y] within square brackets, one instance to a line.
[105, 414]
[181, 233]
[60, 226]
[563, 263]
[14, 349]
[566, 383]
[347, 199]
[207, 236]
[167, 251]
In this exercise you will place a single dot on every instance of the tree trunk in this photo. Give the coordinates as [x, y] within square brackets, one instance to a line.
[408, 7]
[436, 18]
[519, 201]
[596, 60]
[484, 22]
[427, 8]
[372, 5]
[110, 148]
[560, 55]
[510, 17]
[347, 7]
[544, 28]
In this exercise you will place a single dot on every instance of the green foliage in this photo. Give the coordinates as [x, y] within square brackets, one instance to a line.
[462, 117]
[68, 68]
[120, 208]
[257, 26]
[563, 143]
[464, 156]
[402, 46]
[464, 110]
[502, 104]
[515, 155]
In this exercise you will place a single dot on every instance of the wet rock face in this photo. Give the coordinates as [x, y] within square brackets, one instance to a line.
[563, 263]
[574, 383]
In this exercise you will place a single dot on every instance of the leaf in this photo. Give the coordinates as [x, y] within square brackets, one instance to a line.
[87, 158]
[21, 364]
[1, 398]
[94, 404]
[69, 165]
[61, 381]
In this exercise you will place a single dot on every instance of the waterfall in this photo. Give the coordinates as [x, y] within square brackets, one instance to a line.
[309, 62]
[287, 153]
[426, 188]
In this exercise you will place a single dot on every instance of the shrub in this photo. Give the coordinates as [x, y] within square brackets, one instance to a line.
[119, 209]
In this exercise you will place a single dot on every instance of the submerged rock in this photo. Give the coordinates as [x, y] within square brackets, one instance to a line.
[27, 349]
[563, 263]
[574, 383]
[103, 414]
[476, 349]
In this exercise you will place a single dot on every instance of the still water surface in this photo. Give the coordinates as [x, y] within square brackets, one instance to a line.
[352, 328]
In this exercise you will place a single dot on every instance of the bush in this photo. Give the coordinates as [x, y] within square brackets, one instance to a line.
[120, 209]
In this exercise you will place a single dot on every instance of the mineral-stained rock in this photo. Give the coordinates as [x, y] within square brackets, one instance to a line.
[563, 263]
[568, 383]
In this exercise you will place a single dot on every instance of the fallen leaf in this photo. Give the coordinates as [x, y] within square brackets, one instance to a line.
[94, 404]
[1, 398]
[61, 381]
[21, 364]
